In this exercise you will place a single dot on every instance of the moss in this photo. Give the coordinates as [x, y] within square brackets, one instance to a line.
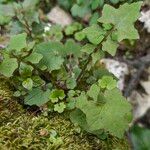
[20, 130]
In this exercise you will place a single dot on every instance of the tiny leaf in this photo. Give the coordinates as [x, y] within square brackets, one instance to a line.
[28, 83]
[60, 107]
[107, 82]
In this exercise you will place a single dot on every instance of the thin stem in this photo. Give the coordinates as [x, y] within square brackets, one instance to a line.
[28, 27]
[47, 76]
[90, 55]
[25, 23]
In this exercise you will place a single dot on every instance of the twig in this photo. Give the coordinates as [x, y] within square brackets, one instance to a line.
[134, 81]
[140, 64]
[137, 62]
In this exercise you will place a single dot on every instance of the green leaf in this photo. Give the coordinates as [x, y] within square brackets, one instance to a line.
[88, 48]
[28, 83]
[77, 117]
[107, 82]
[71, 93]
[34, 58]
[71, 47]
[71, 102]
[114, 36]
[17, 94]
[37, 97]
[37, 28]
[95, 4]
[55, 33]
[79, 36]
[76, 71]
[65, 3]
[96, 95]
[60, 107]
[30, 45]
[55, 28]
[110, 46]
[54, 63]
[140, 138]
[94, 34]
[32, 16]
[107, 26]
[122, 20]
[80, 11]
[56, 95]
[8, 66]
[93, 19]
[51, 58]
[93, 91]
[16, 28]
[97, 56]
[71, 83]
[25, 70]
[4, 19]
[50, 48]
[114, 1]
[69, 30]
[58, 36]
[18, 42]
[113, 116]
[37, 81]
[7, 10]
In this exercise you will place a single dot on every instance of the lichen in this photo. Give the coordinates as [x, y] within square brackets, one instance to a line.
[21, 130]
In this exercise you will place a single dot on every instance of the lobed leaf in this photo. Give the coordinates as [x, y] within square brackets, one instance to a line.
[122, 20]
[113, 116]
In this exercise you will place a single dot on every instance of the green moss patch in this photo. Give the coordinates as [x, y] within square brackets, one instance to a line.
[20, 130]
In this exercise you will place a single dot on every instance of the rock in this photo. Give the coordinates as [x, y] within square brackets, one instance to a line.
[141, 103]
[59, 16]
[145, 18]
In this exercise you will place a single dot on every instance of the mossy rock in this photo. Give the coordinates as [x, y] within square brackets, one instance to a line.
[21, 130]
